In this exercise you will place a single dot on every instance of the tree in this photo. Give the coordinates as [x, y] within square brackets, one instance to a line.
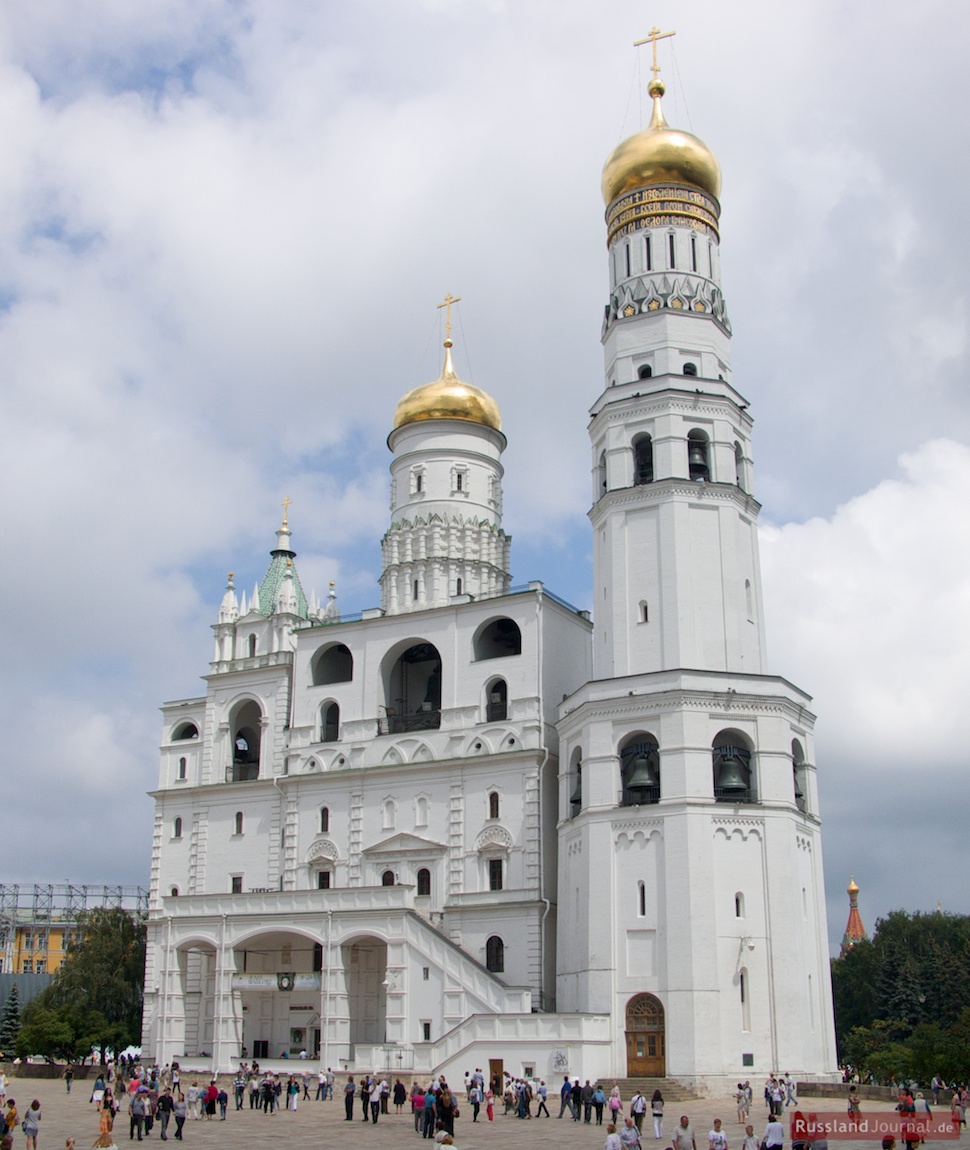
[58, 1032]
[10, 1020]
[101, 981]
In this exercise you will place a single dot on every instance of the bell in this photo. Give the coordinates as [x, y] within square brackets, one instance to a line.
[642, 773]
[798, 790]
[697, 459]
[576, 798]
[731, 772]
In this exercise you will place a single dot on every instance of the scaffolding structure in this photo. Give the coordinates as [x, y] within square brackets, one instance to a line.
[29, 914]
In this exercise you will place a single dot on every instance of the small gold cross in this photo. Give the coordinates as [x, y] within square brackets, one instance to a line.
[286, 507]
[446, 303]
[655, 35]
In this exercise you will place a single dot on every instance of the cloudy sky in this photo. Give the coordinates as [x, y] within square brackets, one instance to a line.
[224, 225]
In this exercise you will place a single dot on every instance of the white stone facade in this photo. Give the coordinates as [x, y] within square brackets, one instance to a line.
[463, 827]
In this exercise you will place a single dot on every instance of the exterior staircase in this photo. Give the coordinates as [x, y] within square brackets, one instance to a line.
[670, 1088]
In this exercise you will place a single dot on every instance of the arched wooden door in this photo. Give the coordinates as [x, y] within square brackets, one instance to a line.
[645, 1049]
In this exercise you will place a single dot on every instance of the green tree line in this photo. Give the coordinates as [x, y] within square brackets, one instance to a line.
[902, 999]
[94, 1001]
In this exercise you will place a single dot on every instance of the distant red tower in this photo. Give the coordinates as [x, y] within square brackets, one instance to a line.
[854, 930]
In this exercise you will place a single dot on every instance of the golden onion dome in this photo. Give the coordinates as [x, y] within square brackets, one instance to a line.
[660, 155]
[448, 398]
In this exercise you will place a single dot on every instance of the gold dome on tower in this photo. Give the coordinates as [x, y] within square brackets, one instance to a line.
[660, 155]
[448, 397]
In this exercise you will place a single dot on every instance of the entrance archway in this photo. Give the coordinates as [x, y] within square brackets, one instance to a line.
[645, 1046]
[365, 962]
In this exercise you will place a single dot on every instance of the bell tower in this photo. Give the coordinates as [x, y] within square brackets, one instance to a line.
[676, 568]
[691, 904]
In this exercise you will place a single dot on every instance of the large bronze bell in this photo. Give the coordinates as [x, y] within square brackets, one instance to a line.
[732, 773]
[643, 772]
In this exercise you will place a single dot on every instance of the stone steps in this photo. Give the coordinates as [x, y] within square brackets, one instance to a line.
[670, 1088]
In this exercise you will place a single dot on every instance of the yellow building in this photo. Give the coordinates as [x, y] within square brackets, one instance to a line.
[39, 922]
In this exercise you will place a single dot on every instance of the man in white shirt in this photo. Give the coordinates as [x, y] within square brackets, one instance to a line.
[683, 1138]
[774, 1135]
[749, 1141]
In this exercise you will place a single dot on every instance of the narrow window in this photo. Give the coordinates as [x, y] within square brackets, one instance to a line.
[738, 465]
[174, 892]
[493, 805]
[387, 878]
[739, 905]
[424, 882]
[415, 590]
[602, 471]
[389, 813]
[670, 245]
[642, 899]
[745, 1000]
[649, 255]
[748, 600]
[330, 727]
[495, 955]
[421, 812]
[418, 481]
[458, 481]
[324, 820]
[495, 874]
[177, 829]
[235, 883]
[710, 258]
[425, 973]
[239, 823]
[643, 460]
[252, 646]
[426, 1031]
[323, 880]
[644, 612]
[576, 798]
[627, 250]
[693, 254]
[182, 766]
[458, 586]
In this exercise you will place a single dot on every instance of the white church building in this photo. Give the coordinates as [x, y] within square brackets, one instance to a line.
[467, 827]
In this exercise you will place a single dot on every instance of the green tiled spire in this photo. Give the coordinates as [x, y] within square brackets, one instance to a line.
[282, 554]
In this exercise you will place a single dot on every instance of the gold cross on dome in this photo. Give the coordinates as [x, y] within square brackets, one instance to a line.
[286, 507]
[446, 303]
[655, 35]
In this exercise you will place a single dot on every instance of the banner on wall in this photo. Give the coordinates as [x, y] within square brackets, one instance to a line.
[284, 980]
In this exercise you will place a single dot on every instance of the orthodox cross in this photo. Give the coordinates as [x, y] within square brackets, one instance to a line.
[446, 303]
[286, 507]
[655, 35]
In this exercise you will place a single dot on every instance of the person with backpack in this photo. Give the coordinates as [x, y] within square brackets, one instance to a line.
[638, 1107]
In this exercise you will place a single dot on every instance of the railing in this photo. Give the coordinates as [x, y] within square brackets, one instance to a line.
[733, 795]
[242, 773]
[419, 721]
[641, 796]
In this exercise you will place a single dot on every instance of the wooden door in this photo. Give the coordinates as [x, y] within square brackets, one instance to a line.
[645, 1048]
[496, 1072]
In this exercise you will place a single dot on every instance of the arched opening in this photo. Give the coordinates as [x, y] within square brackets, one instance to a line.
[798, 774]
[238, 823]
[387, 878]
[245, 724]
[645, 1038]
[642, 460]
[601, 475]
[690, 369]
[390, 814]
[576, 786]
[640, 770]
[413, 691]
[493, 805]
[495, 955]
[739, 466]
[458, 586]
[324, 820]
[177, 829]
[174, 892]
[329, 723]
[424, 882]
[497, 639]
[644, 371]
[421, 811]
[333, 664]
[698, 458]
[497, 708]
[185, 731]
[732, 768]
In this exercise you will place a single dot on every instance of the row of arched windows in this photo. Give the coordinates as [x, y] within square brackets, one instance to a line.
[698, 461]
[731, 763]
[496, 639]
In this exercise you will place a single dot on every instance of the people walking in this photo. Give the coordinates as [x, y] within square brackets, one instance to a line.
[657, 1110]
